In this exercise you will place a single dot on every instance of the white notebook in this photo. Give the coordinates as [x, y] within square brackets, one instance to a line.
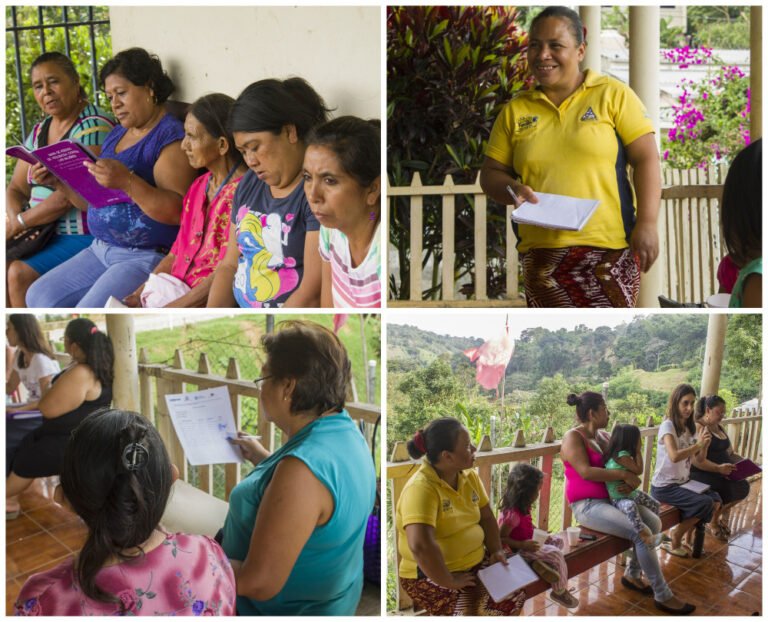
[694, 486]
[502, 581]
[556, 211]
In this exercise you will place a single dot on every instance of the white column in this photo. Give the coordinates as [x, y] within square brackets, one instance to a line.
[713, 353]
[644, 80]
[756, 70]
[125, 389]
[590, 16]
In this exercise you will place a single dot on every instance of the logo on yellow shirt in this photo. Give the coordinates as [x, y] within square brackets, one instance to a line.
[589, 115]
[475, 498]
[446, 505]
[527, 122]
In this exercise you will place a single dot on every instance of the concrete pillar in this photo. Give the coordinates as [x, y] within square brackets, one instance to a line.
[125, 389]
[756, 70]
[713, 353]
[590, 16]
[644, 80]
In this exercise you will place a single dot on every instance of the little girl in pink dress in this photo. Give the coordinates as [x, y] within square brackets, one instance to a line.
[117, 477]
[516, 527]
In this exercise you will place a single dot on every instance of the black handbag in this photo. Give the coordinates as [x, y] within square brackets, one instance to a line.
[29, 241]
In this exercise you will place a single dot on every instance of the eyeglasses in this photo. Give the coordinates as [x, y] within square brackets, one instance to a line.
[259, 382]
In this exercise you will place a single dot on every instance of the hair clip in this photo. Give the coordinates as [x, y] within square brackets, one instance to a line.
[135, 456]
[94, 330]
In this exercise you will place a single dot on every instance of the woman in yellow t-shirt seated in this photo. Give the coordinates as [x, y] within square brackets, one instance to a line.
[446, 528]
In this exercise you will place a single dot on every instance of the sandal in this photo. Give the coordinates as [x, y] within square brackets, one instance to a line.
[545, 571]
[685, 610]
[718, 533]
[680, 551]
[723, 524]
[630, 585]
[564, 598]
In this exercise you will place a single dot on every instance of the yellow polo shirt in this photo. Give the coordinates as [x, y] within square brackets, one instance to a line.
[576, 149]
[455, 515]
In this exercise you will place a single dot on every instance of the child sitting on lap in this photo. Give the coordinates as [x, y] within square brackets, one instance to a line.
[624, 453]
[117, 477]
[516, 527]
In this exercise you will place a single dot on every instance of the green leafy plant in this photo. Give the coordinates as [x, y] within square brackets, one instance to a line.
[30, 46]
[449, 71]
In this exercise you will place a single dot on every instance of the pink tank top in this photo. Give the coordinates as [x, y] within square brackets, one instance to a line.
[576, 488]
[521, 525]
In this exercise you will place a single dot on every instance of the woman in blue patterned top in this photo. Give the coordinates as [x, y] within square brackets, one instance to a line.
[142, 157]
[68, 115]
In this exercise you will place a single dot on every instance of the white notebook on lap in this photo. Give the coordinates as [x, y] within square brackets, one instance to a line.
[502, 581]
[694, 486]
[556, 211]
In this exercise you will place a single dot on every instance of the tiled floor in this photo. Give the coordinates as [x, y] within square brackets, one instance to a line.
[725, 581]
[45, 534]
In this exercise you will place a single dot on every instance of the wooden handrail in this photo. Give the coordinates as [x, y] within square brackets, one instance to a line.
[744, 429]
[170, 379]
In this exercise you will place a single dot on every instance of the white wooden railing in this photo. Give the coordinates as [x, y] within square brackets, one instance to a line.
[691, 241]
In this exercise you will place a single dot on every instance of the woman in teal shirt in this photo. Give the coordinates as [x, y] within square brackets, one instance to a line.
[296, 524]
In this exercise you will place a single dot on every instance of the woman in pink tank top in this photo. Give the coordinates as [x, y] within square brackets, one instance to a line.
[582, 454]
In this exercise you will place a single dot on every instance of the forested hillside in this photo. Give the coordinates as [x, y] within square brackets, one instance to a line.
[428, 376]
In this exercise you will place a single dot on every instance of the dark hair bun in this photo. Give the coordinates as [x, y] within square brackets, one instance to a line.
[413, 451]
[572, 399]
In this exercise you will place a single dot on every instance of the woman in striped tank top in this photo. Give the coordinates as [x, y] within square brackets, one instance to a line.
[342, 181]
[68, 115]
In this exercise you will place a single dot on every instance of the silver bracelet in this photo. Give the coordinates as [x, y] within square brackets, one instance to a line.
[21, 220]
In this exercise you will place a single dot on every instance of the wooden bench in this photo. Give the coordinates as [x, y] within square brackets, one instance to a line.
[587, 554]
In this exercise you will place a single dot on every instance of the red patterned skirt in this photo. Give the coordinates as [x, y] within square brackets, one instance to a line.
[580, 276]
[472, 601]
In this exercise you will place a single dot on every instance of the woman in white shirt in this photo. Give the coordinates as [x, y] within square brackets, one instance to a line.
[33, 366]
[675, 447]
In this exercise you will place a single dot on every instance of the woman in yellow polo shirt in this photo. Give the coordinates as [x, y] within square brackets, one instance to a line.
[446, 528]
[574, 135]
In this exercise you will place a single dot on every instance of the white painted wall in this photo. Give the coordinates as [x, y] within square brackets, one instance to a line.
[224, 49]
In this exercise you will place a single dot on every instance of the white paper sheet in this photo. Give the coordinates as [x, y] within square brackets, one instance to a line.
[695, 486]
[556, 211]
[203, 421]
[502, 581]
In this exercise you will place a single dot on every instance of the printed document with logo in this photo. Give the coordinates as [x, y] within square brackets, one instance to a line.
[556, 211]
[204, 422]
[502, 581]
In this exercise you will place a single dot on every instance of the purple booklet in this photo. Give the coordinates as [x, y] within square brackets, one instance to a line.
[23, 414]
[744, 468]
[66, 160]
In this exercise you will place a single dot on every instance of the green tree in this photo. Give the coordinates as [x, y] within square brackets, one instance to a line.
[430, 392]
[742, 365]
[548, 405]
[723, 27]
[449, 71]
[30, 47]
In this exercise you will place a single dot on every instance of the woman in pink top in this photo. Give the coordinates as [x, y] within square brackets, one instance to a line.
[582, 453]
[117, 477]
[204, 231]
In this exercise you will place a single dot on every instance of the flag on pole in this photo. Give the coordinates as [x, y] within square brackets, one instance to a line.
[339, 319]
[491, 359]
